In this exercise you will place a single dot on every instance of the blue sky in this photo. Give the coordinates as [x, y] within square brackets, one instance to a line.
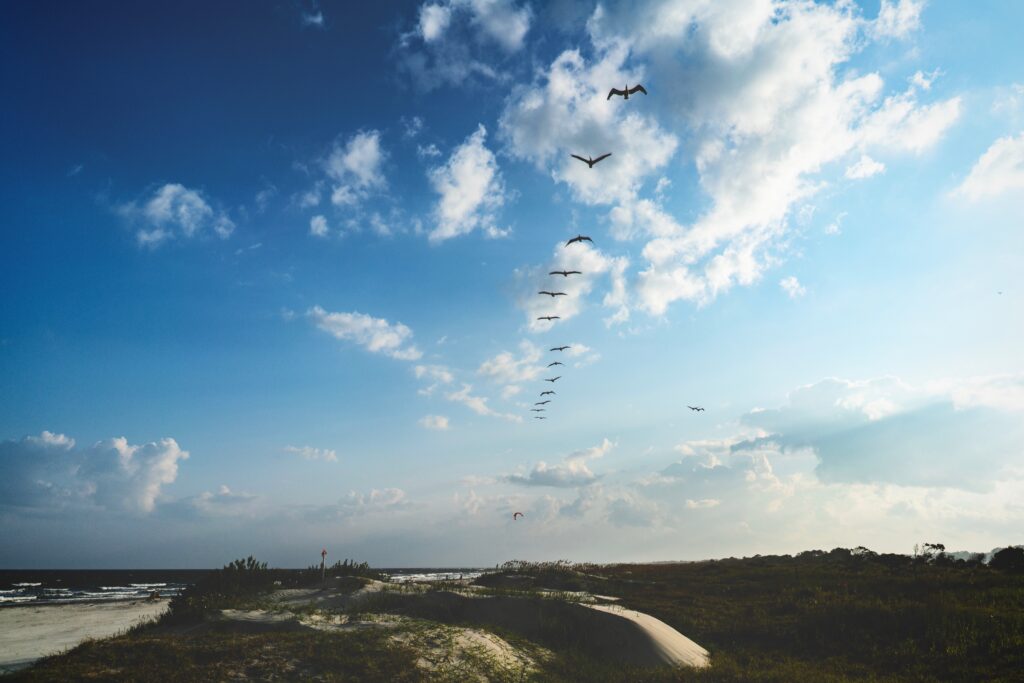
[269, 280]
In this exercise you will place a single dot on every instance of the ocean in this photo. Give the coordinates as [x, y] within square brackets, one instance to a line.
[68, 586]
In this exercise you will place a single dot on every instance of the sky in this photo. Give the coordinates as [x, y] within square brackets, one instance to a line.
[269, 275]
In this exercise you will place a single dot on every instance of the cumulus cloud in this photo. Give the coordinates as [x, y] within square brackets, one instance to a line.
[478, 404]
[865, 167]
[434, 422]
[311, 453]
[592, 263]
[999, 170]
[762, 96]
[436, 374]
[509, 368]
[48, 472]
[374, 334]
[792, 287]
[471, 189]
[174, 211]
[356, 168]
[571, 472]
[452, 42]
[318, 226]
[898, 19]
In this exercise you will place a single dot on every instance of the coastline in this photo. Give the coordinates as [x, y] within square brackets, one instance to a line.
[29, 632]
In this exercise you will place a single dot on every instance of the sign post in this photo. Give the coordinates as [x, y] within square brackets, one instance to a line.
[323, 567]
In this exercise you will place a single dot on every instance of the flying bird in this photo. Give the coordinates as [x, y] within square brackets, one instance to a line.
[539, 417]
[553, 379]
[540, 403]
[557, 362]
[552, 294]
[589, 161]
[565, 273]
[696, 408]
[549, 317]
[627, 92]
[514, 517]
[547, 393]
[537, 410]
[559, 348]
[579, 238]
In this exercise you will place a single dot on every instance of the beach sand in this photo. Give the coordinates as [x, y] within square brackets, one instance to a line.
[28, 633]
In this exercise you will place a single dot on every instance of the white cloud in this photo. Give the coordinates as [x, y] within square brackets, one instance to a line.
[49, 472]
[356, 168]
[175, 211]
[792, 287]
[478, 404]
[434, 19]
[471, 189]
[835, 227]
[898, 19]
[314, 19]
[311, 453]
[374, 334]
[318, 226]
[999, 170]
[434, 422]
[508, 368]
[864, 168]
[702, 504]
[572, 472]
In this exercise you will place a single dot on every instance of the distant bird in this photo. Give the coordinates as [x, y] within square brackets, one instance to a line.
[627, 92]
[537, 410]
[552, 294]
[553, 379]
[696, 408]
[565, 273]
[547, 393]
[514, 517]
[550, 317]
[559, 348]
[539, 417]
[589, 161]
[579, 238]
[557, 362]
[540, 403]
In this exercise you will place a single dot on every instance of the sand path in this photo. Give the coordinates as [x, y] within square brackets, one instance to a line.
[667, 643]
[28, 633]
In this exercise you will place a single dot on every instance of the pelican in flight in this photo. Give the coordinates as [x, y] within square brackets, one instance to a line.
[539, 417]
[696, 408]
[540, 403]
[553, 379]
[579, 238]
[565, 273]
[547, 393]
[590, 161]
[549, 318]
[537, 410]
[514, 515]
[552, 294]
[627, 92]
[559, 348]
[557, 362]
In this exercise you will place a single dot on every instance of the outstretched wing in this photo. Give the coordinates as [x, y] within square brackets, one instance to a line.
[546, 292]
[572, 272]
[577, 156]
[557, 362]
[558, 294]
[615, 91]
[603, 156]
[574, 239]
[636, 89]
[557, 272]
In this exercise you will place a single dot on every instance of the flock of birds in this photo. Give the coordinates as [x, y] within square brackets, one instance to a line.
[541, 405]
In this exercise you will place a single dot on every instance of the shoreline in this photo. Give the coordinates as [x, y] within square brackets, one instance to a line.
[29, 632]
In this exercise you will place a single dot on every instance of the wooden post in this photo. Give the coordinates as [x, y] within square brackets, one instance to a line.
[323, 567]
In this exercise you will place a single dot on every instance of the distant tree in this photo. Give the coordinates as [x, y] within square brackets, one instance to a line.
[1009, 560]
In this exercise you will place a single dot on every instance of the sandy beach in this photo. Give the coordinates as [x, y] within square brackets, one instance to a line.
[28, 633]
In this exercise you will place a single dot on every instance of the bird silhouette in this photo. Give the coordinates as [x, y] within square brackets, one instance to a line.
[553, 294]
[553, 379]
[559, 348]
[579, 238]
[539, 417]
[540, 403]
[557, 362]
[514, 518]
[627, 92]
[549, 317]
[565, 273]
[696, 408]
[590, 161]
[536, 410]
[547, 393]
